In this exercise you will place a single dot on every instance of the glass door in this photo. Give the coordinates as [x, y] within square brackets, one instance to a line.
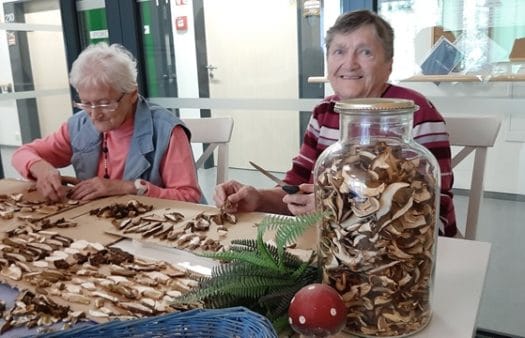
[158, 48]
[34, 94]
[92, 22]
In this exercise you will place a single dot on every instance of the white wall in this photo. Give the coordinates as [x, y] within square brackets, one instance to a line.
[255, 51]
[5, 70]
[9, 128]
[186, 62]
[6, 152]
[506, 160]
[49, 67]
[49, 70]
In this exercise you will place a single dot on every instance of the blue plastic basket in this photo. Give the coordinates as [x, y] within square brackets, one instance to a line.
[229, 322]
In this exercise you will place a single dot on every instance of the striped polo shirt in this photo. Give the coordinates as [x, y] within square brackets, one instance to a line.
[428, 130]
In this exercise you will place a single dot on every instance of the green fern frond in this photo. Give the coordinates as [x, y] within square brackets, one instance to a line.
[277, 302]
[258, 275]
[242, 269]
[242, 256]
[263, 251]
[254, 286]
[282, 326]
[288, 258]
[293, 226]
[236, 287]
[247, 243]
[288, 229]
[302, 268]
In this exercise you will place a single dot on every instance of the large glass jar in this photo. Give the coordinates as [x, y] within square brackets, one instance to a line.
[377, 241]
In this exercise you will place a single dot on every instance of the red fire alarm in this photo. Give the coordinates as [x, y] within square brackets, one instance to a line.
[181, 23]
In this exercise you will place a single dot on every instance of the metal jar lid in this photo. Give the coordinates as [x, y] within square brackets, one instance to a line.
[380, 105]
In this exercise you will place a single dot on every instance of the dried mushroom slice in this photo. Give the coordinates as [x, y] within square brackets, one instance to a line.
[377, 240]
[171, 226]
[119, 210]
[31, 310]
[117, 286]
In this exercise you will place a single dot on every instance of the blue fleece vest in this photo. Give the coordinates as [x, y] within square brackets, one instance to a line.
[151, 135]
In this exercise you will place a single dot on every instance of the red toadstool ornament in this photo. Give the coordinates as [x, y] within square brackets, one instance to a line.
[317, 310]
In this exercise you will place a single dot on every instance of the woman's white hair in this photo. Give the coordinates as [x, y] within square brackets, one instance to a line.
[104, 65]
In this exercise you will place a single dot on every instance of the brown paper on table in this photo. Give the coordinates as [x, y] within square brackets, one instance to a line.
[101, 230]
[92, 231]
[89, 227]
[11, 186]
[26, 188]
[104, 269]
[245, 228]
[96, 229]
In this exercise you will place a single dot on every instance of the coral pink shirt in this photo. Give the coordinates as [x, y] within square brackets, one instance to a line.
[178, 169]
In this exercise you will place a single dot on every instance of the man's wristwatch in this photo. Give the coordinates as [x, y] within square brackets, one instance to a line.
[141, 187]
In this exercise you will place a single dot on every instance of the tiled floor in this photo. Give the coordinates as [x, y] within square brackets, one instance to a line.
[500, 223]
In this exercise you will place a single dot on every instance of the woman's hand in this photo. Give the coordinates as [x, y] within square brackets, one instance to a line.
[48, 181]
[233, 196]
[97, 187]
[302, 202]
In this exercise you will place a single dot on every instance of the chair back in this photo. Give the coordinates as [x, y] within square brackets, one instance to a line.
[215, 133]
[473, 134]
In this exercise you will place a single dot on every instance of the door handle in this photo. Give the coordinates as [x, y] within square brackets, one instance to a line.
[210, 69]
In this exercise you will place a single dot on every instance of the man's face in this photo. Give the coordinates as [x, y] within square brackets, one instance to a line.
[107, 107]
[356, 64]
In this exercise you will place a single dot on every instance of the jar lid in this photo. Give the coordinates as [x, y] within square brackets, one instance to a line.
[375, 105]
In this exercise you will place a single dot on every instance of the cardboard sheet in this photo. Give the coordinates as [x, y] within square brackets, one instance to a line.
[31, 197]
[101, 230]
[243, 229]
[167, 278]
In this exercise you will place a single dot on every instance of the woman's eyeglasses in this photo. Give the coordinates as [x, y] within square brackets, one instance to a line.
[105, 108]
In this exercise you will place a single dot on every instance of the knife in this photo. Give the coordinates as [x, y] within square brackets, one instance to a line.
[290, 189]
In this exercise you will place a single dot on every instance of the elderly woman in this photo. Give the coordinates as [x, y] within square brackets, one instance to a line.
[118, 143]
[360, 52]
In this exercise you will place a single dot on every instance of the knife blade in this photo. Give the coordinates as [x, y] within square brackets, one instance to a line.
[290, 189]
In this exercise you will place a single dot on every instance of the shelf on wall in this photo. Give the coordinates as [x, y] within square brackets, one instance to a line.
[447, 78]
[466, 78]
[317, 79]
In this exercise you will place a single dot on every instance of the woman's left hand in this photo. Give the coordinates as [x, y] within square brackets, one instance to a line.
[302, 202]
[97, 187]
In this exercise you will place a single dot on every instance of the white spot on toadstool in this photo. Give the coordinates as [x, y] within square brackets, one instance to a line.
[302, 320]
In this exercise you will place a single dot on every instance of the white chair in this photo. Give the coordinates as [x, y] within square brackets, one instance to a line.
[473, 134]
[216, 132]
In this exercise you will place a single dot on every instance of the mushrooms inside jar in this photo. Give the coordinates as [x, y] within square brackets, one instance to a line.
[377, 239]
